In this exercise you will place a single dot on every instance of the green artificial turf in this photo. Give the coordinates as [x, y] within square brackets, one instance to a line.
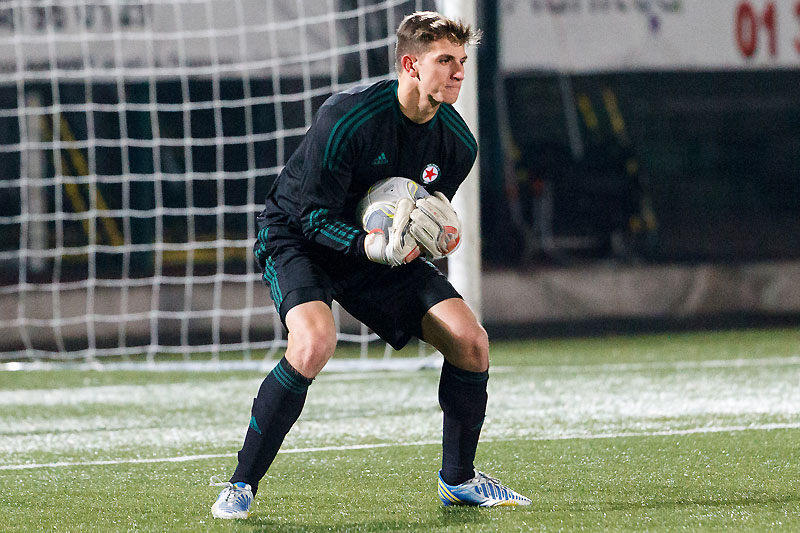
[693, 432]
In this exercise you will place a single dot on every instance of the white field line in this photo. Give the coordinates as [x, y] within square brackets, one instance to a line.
[187, 458]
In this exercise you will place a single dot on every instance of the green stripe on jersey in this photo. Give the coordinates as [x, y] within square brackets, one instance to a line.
[374, 111]
[459, 127]
[336, 231]
[262, 244]
[346, 126]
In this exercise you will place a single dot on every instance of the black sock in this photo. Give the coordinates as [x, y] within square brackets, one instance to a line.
[462, 396]
[275, 410]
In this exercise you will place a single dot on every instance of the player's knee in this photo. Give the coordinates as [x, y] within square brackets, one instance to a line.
[310, 350]
[471, 349]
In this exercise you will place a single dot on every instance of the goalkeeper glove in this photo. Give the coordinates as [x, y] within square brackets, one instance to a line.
[435, 226]
[398, 247]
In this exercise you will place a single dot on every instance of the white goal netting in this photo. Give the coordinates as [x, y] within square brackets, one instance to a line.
[137, 141]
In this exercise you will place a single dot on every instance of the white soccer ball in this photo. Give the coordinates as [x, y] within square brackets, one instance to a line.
[376, 208]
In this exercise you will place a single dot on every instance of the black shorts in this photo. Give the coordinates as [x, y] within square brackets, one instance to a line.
[390, 301]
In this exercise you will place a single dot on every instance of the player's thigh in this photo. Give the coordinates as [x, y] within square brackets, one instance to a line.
[453, 329]
[292, 269]
[392, 301]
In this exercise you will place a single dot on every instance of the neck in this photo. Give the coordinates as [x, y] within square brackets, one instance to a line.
[413, 105]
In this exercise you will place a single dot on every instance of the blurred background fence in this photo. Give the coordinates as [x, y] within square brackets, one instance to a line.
[640, 159]
[650, 156]
[664, 131]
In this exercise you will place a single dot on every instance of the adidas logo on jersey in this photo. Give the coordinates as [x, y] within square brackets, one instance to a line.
[381, 160]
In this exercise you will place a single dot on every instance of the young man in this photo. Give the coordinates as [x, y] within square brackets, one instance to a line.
[312, 251]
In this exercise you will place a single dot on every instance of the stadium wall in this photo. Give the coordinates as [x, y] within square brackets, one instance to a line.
[519, 303]
[663, 130]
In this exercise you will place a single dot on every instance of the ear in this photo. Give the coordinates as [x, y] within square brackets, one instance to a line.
[408, 62]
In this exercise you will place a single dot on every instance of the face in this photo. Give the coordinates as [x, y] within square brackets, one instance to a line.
[440, 71]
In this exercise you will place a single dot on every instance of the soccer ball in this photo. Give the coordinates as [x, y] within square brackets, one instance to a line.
[376, 208]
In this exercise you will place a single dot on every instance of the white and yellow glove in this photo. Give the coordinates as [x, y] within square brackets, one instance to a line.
[399, 247]
[435, 226]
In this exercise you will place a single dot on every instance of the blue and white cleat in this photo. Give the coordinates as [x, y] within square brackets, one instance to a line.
[482, 491]
[234, 501]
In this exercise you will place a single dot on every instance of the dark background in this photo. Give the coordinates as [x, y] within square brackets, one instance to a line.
[705, 166]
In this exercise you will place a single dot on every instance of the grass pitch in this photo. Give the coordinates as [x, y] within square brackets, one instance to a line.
[693, 431]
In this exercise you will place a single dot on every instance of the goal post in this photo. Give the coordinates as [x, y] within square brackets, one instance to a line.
[138, 140]
[464, 268]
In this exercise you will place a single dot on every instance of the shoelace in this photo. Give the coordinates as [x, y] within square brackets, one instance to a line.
[231, 492]
[490, 479]
[504, 491]
[217, 482]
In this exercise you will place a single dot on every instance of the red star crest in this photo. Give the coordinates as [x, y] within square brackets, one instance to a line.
[430, 173]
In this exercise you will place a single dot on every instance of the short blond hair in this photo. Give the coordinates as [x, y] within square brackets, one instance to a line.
[419, 30]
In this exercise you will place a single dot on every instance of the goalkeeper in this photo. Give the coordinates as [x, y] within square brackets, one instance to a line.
[312, 251]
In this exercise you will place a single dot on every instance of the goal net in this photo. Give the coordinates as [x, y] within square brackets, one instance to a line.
[138, 139]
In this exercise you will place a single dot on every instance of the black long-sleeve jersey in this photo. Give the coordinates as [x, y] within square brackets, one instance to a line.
[357, 138]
